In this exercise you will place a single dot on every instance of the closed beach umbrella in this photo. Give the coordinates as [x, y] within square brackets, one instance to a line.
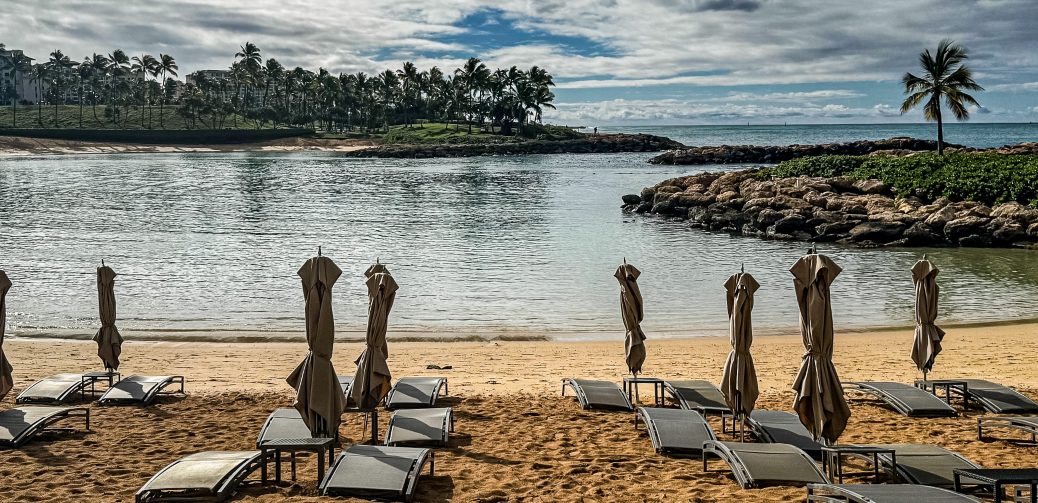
[927, 335]
[373, 380]
[109, 342]
[739, 383]
[318, 395]
[631, 310]
[819, 396]
[6, 379]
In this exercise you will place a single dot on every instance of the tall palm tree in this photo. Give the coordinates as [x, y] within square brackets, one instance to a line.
[251, 62]
[23, 64]
[166, 66]
[39, 74]
[60, 72]
[945, 76]
[143, 67]
[99, 68]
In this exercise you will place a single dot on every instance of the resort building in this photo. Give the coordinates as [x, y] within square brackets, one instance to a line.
[15, 80]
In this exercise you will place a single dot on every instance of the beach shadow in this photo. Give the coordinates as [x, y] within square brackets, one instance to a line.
[435, 488]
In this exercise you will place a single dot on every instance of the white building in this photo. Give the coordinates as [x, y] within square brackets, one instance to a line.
[17, 77]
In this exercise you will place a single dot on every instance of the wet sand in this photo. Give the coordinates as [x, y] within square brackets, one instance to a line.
[17, 146]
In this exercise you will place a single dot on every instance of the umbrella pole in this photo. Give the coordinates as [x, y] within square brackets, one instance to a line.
[635, 384]
[374, 426]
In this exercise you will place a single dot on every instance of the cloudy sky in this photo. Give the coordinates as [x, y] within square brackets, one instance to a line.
[615, 61]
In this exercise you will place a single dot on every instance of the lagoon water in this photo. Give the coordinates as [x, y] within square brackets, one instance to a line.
[208, 245]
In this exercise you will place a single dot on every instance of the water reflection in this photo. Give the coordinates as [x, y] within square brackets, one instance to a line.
[212, 242]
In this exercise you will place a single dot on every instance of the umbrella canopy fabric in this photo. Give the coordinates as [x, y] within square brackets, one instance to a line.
[739, 382]
[373, 380]
[319, 398]
[632, 311]
[109, 342]
[819, 395]
[6, 377]
[928, 336]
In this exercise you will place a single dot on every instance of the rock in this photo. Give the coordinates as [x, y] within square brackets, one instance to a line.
[648, 193]
[680, 212]
[963, 227]
[644, 207]
[664, 207]
[841, 184]
[1032, 230]
[1005, 231]
[768, 216]
[631, 199]
[975, 241]
[699, 216]
[938, 219]
[1015, 211]
[689, 200]
[920, 234]
[872, 187]
[877, 232]
[790, 224]
[668, 189]
[835, 228]
[727, 196]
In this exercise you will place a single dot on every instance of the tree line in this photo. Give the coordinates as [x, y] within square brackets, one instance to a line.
[268, 93]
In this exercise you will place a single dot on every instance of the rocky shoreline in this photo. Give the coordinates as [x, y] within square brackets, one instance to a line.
[748, 154]
[862, 213]
[600, 144]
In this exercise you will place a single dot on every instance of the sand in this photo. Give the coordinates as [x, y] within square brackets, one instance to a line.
[516, 438]
[17, 146]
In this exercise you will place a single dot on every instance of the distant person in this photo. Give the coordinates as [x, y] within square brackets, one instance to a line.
[596, 132]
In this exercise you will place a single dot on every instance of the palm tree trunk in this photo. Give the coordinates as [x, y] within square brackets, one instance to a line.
[940, 133]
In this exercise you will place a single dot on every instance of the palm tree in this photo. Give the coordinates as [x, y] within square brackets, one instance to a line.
[945, 76]
[99, 68]
[60, 66]
[143, 67]
[39, 74]
[22, 63]
[166, 66]
[251, 63]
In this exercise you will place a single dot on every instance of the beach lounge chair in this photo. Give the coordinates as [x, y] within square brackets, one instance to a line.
[594, 394]
[203, 476]
[140, 390]
[993, 397]
[702, 396]
[21, 424]
[884, 493]
[420, 426]
[372, 471]
[346, 383]
[282, 426]
[773, 426]
[925, 464]
[675, 431]
[755, 465]
[906, 399]
[53, 389]
[1027, 424]
[415, 392]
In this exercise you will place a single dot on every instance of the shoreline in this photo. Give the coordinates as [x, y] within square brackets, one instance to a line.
[463, 335]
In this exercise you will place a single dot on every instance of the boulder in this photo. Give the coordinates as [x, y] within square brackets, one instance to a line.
[877, 232]
[727, 196]
[1006, 231]
[644, 207]
[1015, 211]
[872, 186]
[938, 219]
[632, 199]
[692, 199]
[1032, 230]
[664, 207]
[975, 241]
[648, 193]
[668, 189]
[835, 228]
[920, 234]
[963, 227]
[790, 224]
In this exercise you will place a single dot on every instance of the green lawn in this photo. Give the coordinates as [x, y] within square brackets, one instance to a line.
[68, 117]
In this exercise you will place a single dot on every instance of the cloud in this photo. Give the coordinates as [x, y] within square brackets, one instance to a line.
[794, 95]
[673, 110]
[1020, 86]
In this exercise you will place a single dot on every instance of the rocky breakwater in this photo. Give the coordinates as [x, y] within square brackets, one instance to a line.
[857, 212]
[739, 154]
[599, 144]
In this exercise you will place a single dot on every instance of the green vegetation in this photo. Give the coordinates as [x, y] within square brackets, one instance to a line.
[139, 92]
[984, 177]
[74, 117]
[945, 76]
[443, 133]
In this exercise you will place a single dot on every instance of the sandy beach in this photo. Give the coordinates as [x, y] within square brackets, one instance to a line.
[18, 146]
[516, 438]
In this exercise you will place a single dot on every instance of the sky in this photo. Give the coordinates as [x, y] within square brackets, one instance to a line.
[632, 62]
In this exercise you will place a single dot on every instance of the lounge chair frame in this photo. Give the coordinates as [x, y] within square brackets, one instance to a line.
[154, 392]
[76, 386]
[761, 432]
[705, 410]
[840, 493]
[895, 402]
[1027, 424]
[406, 492]
[967, 390]
[447, 428]
[902, 461]
[582, 398]
[43, 425]
[651, 428]
[738, 469]
[440, 386]
[224, 491]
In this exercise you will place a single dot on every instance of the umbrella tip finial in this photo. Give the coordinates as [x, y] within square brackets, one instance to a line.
[742, 268]
[318, 250]
[377, 260]
[625, 260]
[102, 262]
[924, 256]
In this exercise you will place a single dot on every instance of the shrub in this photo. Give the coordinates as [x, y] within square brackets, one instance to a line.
[984, 177]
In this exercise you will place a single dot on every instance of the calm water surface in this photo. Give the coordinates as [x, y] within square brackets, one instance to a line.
[210, 243]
